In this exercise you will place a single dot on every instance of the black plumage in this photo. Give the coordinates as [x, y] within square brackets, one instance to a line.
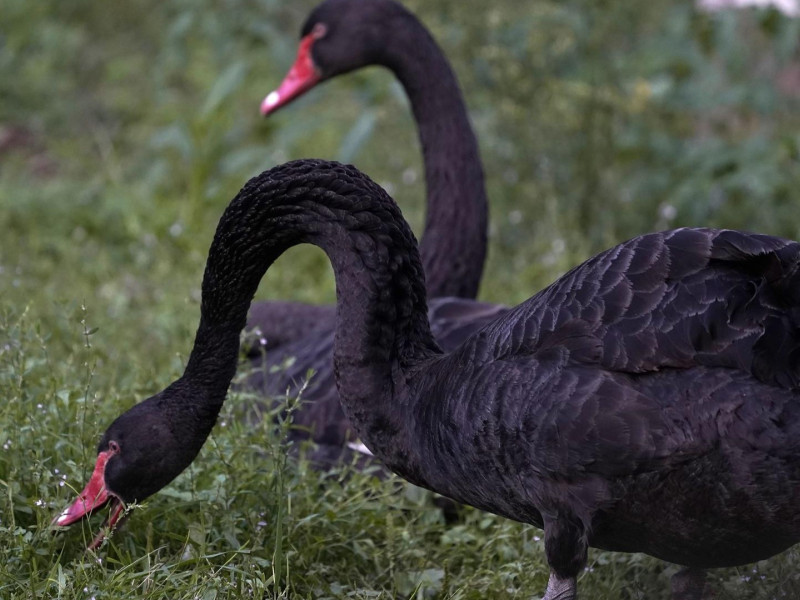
[453, 245]
[646, 401]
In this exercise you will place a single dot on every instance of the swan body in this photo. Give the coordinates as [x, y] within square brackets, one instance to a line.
[646, 401]
[320, 416]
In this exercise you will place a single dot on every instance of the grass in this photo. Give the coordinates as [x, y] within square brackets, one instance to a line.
[246, 521]
[123, 134]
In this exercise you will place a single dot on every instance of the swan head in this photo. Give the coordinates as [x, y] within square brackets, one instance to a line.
[142, 451]
[339, 36]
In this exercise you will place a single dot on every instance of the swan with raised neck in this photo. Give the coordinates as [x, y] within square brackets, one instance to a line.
[340, 36]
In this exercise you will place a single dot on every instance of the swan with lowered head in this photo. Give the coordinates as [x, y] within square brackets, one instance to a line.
[646, 401]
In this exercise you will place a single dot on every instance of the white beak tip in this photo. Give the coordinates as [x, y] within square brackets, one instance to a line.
[272, 99]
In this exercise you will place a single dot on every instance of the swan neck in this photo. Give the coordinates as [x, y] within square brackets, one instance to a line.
[454, 176]
[382, 322]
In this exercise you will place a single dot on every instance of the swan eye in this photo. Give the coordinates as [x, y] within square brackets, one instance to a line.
[319, 31]
[113, 447]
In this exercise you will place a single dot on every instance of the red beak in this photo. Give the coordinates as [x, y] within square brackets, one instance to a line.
[302, 77]
[93, 497]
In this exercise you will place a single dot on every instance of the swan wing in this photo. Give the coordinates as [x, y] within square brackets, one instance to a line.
[676, 299]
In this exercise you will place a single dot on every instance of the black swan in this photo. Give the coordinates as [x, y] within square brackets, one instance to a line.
[644, 402]
[340, 36]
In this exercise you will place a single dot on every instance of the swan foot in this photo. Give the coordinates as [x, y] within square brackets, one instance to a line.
[688, 584]
[566, 548]
[561, 589]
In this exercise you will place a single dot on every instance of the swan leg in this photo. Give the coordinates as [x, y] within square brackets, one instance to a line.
[688, 584]
[561, 589]
[566, 547]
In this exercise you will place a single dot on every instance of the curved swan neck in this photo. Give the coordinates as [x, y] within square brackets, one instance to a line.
[453, 170]
[381, 308]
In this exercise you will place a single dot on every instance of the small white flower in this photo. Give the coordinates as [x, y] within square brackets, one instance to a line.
[409, 176]
[39, 502]
[667, 212]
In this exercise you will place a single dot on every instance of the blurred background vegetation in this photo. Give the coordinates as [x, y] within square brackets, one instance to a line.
[125, 129]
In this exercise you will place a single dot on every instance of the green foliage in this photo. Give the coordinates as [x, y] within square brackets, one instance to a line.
[125, 130]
